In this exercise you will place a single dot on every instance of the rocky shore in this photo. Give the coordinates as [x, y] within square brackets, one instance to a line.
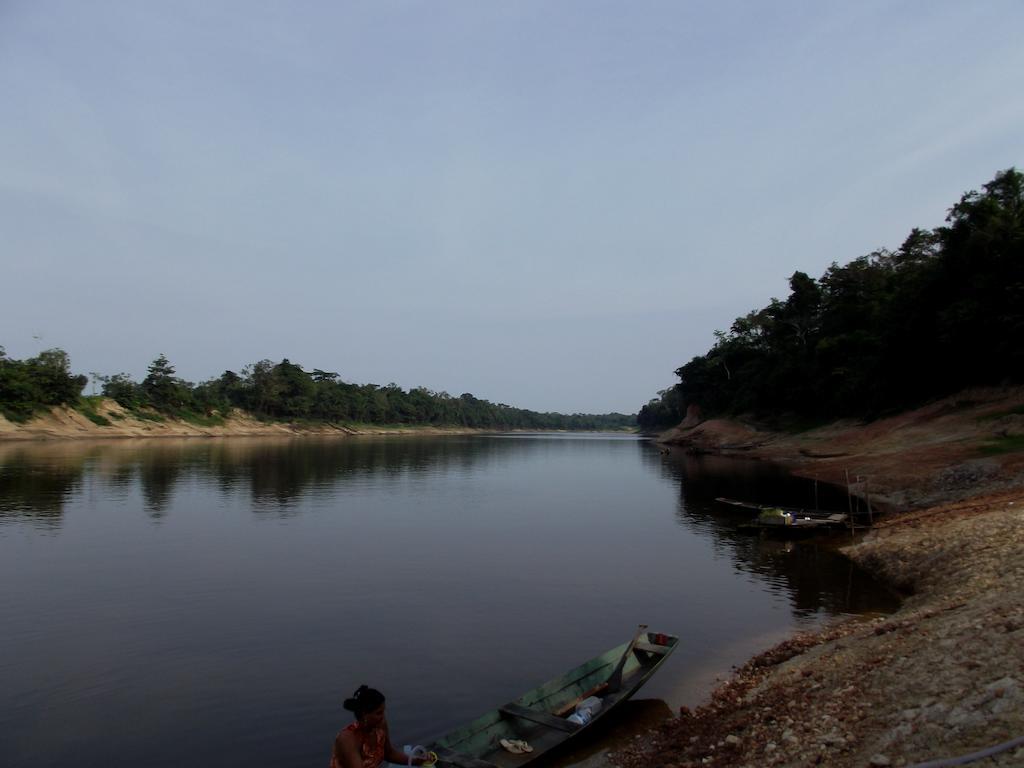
[943, 676]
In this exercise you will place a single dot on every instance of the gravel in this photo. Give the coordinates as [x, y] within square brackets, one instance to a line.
[943, 676]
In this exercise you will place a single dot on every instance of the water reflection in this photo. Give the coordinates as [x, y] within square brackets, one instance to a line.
[477, 566]
[34, 488]
[811, 572]
[38, 480]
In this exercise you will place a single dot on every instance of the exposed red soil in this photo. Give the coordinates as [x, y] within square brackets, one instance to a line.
[941, 677]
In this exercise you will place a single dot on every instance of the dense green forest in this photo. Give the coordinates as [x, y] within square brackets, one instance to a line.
[272, 391]
[889, 330]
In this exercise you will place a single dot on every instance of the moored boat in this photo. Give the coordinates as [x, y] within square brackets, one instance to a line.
[835, 518]
[550, 715]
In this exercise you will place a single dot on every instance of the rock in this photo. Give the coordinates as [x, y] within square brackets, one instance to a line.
[1002, 706]
[733, 740]
[833, 740]
[1000, 687]
[961, 717]
[879, 760]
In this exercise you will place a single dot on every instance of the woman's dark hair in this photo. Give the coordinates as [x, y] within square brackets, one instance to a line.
[364, 700]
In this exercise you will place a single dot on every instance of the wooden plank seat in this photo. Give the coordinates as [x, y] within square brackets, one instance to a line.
[661, 650]
[536, 716]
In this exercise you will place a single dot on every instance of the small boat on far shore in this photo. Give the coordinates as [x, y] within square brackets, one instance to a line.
[805, 514]
[792, 522]
[543, 719]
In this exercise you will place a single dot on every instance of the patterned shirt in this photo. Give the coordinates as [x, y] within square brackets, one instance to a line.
[371, 746]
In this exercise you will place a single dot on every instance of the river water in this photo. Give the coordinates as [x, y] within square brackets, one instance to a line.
[211, 602]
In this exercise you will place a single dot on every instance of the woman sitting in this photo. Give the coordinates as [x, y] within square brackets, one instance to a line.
[365, 743]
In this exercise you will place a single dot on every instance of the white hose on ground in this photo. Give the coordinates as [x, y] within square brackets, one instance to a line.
[949, 762]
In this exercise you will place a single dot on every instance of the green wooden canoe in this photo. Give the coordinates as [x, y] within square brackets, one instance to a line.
[539, 717]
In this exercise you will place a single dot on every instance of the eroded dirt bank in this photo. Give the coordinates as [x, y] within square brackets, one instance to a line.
[66, 423]
[948, 450]
[944, 675]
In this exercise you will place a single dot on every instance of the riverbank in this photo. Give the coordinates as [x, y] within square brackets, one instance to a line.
[63, 423]
[944, 675]
[948, 450]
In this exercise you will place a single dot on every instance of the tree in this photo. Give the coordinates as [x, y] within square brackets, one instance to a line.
[54, 383]
[27, 386]
[160, 387]
[884, 331]
[121, 388]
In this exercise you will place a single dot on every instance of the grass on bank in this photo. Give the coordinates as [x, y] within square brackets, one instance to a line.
[1016, 411]
[90, 405]
[1001, 445]
[371, 427]
[17, 413]
[87, 406]
[201, 419]
[194, 418]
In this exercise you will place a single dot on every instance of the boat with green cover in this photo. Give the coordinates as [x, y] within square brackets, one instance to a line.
[547, 717]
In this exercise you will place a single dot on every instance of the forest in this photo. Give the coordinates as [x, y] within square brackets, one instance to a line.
[885, 332]
[270, 391]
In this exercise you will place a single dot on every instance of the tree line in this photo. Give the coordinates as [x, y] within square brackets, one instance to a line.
[27, 386]
[886, 331]
[271, 391]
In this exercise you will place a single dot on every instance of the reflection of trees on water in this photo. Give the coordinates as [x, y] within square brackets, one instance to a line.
[158, 476]
[36, 492]
[812, 573]
[38, 480]
[279, 475]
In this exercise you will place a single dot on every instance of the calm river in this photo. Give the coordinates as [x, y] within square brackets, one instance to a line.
[211, 602]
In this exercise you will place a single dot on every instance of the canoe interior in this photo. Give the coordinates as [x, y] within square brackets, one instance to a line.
[477, 744]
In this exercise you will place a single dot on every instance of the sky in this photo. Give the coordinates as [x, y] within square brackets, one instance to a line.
[548, 204]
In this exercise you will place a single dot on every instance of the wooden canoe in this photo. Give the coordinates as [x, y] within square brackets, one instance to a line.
[835, 518]
[539, 717]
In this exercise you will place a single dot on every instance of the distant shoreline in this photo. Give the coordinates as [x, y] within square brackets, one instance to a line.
[64, 423]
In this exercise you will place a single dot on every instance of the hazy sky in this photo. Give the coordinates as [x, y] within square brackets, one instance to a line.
[547, 204]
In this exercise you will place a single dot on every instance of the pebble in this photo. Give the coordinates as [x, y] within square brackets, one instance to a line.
[879, 760]
[833, 740]
[733, 739]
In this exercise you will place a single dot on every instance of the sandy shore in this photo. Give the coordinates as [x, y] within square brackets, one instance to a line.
[944, 675]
